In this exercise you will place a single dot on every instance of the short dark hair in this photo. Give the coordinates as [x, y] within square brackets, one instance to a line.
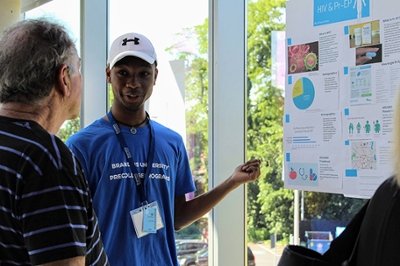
[31, 53]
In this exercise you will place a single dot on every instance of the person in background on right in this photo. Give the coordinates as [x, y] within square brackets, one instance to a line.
[378, 242]
[379, 239]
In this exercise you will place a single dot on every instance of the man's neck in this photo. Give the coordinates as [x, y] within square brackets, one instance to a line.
[129, 118]
[38, 113]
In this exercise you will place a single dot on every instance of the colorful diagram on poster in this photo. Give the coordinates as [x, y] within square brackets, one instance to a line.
[363, 155]
[303, 174]
[303, 93]
[303, 58]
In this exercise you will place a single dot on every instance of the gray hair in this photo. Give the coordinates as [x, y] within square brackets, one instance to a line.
[31, 53]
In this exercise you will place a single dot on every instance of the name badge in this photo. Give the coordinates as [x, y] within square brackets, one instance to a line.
[149, 220]
[146, 219]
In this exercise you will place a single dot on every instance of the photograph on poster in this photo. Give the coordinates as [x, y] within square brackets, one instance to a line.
[364, 34]
[303, 58]
[368, 55]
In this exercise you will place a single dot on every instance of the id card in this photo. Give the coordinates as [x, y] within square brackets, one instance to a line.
[146, 219]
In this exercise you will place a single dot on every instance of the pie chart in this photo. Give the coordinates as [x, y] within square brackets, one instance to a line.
[303, 93]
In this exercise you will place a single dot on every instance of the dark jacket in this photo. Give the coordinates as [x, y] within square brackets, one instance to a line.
[379, 239]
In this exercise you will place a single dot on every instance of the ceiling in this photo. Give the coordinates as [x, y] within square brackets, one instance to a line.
[27, 5]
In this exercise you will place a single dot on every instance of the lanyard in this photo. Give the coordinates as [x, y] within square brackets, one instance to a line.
[128, 154]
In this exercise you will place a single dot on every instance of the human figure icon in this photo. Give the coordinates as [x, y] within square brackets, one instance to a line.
[377, 127]
[358, 127]
[367, 127]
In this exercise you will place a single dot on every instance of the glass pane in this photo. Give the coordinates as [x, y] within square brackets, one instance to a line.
[270, 206]
[67, 13]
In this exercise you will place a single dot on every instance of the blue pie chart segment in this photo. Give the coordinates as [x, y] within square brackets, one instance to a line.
[303, 93]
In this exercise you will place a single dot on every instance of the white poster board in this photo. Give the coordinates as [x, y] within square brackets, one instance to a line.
[343, 70]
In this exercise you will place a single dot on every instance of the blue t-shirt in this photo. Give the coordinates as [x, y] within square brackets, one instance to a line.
[115, 193]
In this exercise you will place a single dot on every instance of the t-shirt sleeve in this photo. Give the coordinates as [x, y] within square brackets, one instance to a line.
[185, 183]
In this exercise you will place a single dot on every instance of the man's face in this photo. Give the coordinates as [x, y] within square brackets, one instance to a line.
[132, 82]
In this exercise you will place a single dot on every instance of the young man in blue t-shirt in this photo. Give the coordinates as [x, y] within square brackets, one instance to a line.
[138, 169]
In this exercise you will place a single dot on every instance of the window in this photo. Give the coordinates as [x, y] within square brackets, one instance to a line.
[68, 14]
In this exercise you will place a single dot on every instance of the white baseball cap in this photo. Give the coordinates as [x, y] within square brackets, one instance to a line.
[131, 44]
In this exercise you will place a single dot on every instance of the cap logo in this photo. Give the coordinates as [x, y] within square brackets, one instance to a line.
[135, 40]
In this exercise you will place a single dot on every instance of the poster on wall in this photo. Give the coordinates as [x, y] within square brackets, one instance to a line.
[343, 71]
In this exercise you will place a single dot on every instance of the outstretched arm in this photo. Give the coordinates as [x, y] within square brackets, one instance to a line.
[187, 212]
